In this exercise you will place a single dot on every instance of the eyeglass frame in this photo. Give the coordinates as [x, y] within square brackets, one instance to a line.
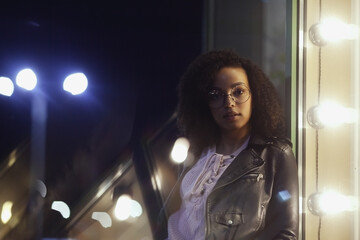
[223, 95]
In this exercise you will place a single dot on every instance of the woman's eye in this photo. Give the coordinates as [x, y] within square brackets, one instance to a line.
[237, 92]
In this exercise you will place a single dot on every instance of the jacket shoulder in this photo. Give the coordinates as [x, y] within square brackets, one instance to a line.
[259, 143]
[282, 143]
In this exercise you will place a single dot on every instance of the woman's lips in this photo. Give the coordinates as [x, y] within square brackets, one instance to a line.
[231, 115]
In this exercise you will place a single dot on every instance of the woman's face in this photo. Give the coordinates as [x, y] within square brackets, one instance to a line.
[230, 101]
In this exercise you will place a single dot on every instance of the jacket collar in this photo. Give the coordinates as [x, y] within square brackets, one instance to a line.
[258, 140]
[249, 159]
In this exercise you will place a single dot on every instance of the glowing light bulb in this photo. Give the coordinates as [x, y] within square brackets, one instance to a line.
[6, 86]
[334, 30]
[26, 79]
[180, 150]
[322, 203]
[75, 83]
[331, 114]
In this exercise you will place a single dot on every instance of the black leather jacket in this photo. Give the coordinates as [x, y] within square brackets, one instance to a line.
[257, 195]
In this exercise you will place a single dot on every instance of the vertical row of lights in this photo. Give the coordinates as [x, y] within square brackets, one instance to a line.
[322, 115]
[75, 83]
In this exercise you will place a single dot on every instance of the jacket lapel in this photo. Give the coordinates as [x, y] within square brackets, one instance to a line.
[248, 160]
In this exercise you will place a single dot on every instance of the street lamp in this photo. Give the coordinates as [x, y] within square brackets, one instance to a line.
[75, 83]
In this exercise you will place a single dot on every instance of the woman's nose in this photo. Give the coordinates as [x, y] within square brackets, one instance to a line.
[228, 100]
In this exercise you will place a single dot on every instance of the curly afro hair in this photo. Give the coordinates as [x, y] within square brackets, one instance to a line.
[194, 117]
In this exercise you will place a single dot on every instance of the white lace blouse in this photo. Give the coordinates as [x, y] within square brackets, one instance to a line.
[189, 221]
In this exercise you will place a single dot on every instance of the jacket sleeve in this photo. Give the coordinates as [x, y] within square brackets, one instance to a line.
[282, 215]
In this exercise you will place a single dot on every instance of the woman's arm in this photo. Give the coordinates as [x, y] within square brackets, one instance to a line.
[282, 217]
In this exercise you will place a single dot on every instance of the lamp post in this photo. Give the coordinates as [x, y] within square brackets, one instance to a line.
[75, 84]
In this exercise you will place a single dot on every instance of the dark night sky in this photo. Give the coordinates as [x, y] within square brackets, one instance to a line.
[128, 50]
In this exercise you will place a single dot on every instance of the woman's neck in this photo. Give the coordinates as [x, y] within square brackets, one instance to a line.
[229, 143]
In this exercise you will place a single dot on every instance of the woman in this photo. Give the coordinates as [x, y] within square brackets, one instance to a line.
[244, 183]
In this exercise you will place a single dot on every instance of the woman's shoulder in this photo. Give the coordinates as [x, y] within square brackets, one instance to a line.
[277, 149]
[280, 142]
[273, 149]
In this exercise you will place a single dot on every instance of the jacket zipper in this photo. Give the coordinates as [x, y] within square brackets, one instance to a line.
[260, 176]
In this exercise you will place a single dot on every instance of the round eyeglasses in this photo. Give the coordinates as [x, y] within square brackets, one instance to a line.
[239, 94]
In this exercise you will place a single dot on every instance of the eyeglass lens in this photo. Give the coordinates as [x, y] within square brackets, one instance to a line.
[239, 94]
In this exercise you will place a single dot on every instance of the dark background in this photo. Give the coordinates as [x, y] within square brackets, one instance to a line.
[133, 53]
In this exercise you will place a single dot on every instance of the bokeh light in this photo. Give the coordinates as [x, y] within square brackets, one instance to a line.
[75, 83]
[6, 212]
[62, 208]
[127, 207]
[103, 218]
[41, 188]
[136, 209]
[123, 207]
[180, 150]
[26, 79]
[6, 86]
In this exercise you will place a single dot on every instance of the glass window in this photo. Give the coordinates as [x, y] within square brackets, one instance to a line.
[265, 32]
[117, 210]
